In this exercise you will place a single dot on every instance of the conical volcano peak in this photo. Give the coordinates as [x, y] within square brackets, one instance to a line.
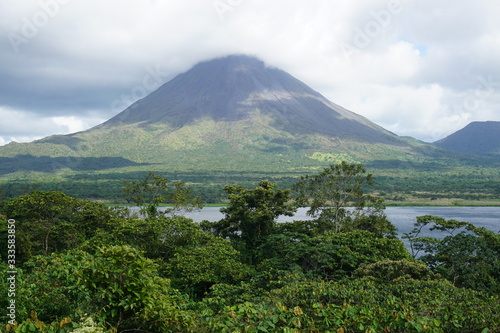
[234, 76]
[234, 63]
[221, 89]
[243, 75]
[239, 87]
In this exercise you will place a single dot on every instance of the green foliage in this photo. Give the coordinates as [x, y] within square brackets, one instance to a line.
[388, 270]
[158, 237]
[374, 221]
[250, 215]
[196, 268]
[129, 295]
[332, 255]
[154, 190]
[332, 158]
[118, 286]
[329, 194]
[51, 285]
[403, 181]
[344, 252]
[34, 324]
[193, 259]
[361, 306]
[469, 260]
[86, 268]
[88, 325]
[52, 221]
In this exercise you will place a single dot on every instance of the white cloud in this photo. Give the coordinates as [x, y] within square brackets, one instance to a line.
[402, 109]
[24, 126]
[72, 124]
[418, 61]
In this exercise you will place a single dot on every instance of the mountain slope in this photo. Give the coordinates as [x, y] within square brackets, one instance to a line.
[231, 113]
[477, 137]
[232, 88]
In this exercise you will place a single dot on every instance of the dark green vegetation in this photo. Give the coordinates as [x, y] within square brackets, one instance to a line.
[398, 183]
[83, 267]
[154, 190]
[234, 121]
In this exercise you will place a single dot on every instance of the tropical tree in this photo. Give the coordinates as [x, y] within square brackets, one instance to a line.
[468, 256]
[48, 221]
[330, 194]
[251, 215]
[194, 269]
[330, 255]
[129, 295]
[51, 286]
[154, 190]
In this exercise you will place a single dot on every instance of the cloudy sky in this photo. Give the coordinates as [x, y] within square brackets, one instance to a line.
[419, 68]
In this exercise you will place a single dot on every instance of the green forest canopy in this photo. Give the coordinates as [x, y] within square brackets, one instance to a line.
[85, 267]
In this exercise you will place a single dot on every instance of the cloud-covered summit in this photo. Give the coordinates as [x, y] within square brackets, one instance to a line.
[423, 69]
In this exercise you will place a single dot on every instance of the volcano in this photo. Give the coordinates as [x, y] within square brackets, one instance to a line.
[234, 88]
[230, 113]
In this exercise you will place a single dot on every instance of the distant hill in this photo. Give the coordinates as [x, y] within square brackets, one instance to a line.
[477, 137]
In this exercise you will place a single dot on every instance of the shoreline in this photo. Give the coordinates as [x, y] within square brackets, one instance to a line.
[456, 203]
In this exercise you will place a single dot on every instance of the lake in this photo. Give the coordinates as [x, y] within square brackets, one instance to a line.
[402, 217]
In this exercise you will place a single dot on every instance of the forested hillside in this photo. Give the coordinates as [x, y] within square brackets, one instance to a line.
[80, 266]
[479, 137]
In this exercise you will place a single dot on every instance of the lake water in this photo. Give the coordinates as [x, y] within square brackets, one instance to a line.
[402, 217]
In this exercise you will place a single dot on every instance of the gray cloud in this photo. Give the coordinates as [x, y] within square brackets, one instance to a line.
[414, 67]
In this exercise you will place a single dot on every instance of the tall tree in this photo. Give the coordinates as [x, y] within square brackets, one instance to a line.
[49, 221]
[338, 187]
[154, 190]
[251, 215]
[468, 256]
[128, 293]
